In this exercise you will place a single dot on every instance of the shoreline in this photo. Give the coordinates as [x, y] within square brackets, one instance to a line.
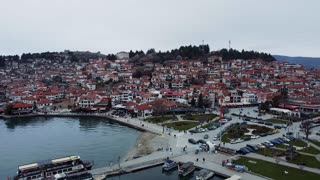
[105, 116]
[142, 146]
[147, 143]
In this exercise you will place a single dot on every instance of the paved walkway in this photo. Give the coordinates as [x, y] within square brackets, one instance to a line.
[213, 163]
[311, 144]
[282, 162]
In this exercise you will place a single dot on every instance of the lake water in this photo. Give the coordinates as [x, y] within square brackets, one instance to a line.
[34, 139]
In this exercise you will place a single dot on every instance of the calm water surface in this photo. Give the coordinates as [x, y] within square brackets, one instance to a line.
[34, 139]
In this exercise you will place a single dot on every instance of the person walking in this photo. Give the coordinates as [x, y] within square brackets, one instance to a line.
[203, 159]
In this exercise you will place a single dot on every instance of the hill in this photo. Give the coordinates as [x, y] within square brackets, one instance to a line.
[308, 62]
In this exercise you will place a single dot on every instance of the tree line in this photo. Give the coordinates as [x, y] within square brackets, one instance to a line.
[235, 54]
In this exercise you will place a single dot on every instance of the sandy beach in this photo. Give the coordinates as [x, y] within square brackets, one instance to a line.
[146, 144]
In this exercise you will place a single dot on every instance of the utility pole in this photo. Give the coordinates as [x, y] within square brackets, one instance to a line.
[119, 161]
[229, 44]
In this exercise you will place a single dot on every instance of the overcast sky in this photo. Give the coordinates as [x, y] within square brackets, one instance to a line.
[286, 27]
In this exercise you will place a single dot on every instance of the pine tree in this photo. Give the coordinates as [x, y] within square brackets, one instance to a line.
[193, 102]
[200, 101]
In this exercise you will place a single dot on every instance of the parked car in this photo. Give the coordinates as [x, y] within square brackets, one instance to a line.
[255, 137]
[246, 119]
[243, 151]
[289, 133]
[244, 123]
[193, 131]
[290, 137]
[239, 140]
[268, 123]
[269, 133]
[192, 141]
[253, 147]
[260, 122]
[212, 128]
[263, 134]
[261, 146]
[266, 144]
[274, 142]
[269, 143]
[246, 138]
[233, 141]
[286, 139]
[215, 138]
[282, 140]
[202, 141]
[206, 136]
[224, 120]
[277, 127]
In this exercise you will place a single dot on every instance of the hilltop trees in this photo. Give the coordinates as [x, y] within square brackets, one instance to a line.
[235, 54]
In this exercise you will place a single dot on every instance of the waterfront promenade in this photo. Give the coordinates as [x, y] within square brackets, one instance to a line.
[176, 140]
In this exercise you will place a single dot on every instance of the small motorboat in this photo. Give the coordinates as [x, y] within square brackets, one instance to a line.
[204, 174]
[186, 168]
[169, 164]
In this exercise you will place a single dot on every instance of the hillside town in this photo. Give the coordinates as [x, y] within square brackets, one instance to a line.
[178, 85]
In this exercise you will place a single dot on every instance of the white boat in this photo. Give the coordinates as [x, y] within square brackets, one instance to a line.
[56, 169]
[169, 164]
[204, 174]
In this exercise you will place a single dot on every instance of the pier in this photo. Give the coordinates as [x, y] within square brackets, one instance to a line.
[212, 163]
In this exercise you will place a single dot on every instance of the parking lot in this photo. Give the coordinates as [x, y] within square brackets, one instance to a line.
[235, 119]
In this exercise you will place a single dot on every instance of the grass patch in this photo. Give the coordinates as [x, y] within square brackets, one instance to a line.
[305, 160]
[182, 125]
[277, 121]
[270, 152]
[238, 131]
[299, 159]
[225, 138]
[275, 171]
[210, 124]
[310, 150]
[315, 142]
[298, 143]
[158, 119]
[199, 117]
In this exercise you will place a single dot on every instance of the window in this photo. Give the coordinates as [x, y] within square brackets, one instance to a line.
[34, 177]
[70, 169]
[65, 170]
[54, 173]
[59, 171]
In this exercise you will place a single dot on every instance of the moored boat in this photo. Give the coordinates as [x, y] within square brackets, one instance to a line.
[66, 167]
[186, 168]
[169, 164]
[204, 174]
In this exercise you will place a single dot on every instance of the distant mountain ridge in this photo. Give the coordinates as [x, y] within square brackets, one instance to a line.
[308, 62]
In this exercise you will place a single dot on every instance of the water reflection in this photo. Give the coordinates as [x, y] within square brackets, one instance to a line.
[23, 122]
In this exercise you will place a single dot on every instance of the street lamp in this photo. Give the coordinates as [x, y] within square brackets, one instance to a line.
[119, 161]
